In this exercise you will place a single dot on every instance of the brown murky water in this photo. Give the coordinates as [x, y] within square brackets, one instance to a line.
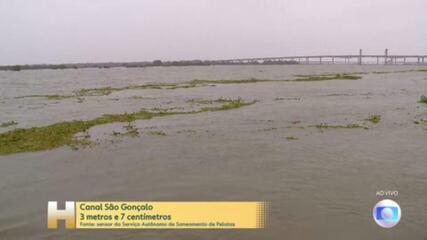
[322, 185]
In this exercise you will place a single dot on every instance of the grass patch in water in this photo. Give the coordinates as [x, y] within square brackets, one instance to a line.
[188, 131]
[104, 91]
[228, 106]
[374, 119]
[81, 140]
[57, 97]
[241, 81]
[348, 126]
[131, 131]
[157, 133]
[141, 97]
[63, 133]
[420, 121]
[397, 71]
[49, 97]
[267, 129]
[379, 72]
[309, 78]
[290, 138]
[8, 124]
[423, 99]
[191, 84]
[205, 101]
[287, 98]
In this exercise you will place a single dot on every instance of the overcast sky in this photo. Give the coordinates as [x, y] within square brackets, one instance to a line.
[66, 31]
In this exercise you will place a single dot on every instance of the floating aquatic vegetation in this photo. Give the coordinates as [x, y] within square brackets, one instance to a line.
[267, 129]
[309, 78]
[374, 119]
[131, 131]
[8, 124]
[207, 101]
[104, 91]
[63, 133]
[423, 99]
[290, 138]
[49, 97]
[157, 133]
[420, 121]
[349, 126]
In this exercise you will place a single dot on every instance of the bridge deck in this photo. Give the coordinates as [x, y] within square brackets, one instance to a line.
[379, 59]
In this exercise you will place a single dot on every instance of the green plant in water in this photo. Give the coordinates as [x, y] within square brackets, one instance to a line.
[157, 133]
[8, 124]
[63, 133]
[239, 81]
[204, 101]
[423, 99]
[131, 131]
[227, 106]
[82, 140]
[327, 77]
[326, 126]
[374, 119]
[104, 91]
[49, 97]
[420, 121]
[290, 138]
[141, 97]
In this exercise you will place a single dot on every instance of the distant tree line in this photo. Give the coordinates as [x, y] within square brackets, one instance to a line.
[154, 63]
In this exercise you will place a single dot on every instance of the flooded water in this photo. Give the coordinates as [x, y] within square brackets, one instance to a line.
[321, 183]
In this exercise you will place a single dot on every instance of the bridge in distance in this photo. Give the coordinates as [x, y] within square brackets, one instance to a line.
[334, 59]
